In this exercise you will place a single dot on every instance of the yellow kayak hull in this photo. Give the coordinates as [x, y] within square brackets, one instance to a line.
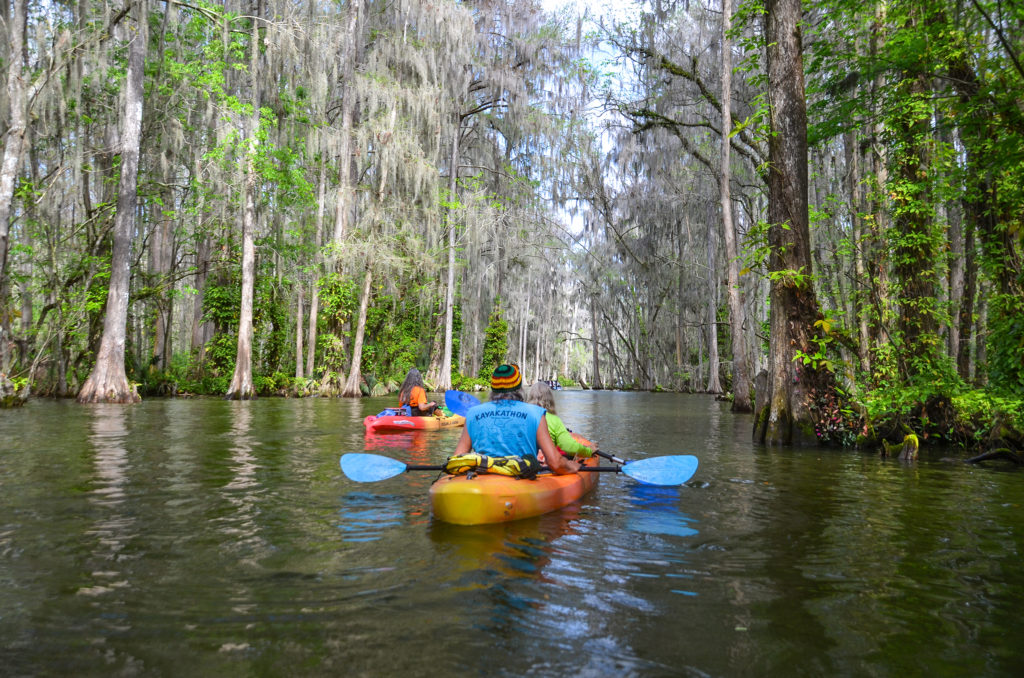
[492, 498]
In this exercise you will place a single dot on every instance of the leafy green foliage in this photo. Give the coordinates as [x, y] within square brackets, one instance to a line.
[980, 413]
[495, 342]
[339, 299]
[820, 359]
[221, 306]
[271, 324]
[395, 341]
[1006, 344]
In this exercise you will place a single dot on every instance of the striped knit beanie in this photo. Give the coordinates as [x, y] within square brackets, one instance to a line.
[506, 378]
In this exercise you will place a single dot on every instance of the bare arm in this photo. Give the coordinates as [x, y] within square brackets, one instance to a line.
[465, 445]
[558, 464]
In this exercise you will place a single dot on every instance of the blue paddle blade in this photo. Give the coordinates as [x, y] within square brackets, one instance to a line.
[672, 470]
[369, 468]
[459, 402]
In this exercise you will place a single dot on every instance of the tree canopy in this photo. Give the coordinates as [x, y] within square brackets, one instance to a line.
[320, 196]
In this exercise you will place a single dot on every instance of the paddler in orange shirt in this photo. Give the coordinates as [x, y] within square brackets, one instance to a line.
[414, 394]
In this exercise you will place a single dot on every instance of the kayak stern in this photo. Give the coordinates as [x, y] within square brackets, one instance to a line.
[491, 498]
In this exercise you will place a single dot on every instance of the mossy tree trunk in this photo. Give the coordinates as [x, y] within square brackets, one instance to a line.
[355, 374]
[108, 382]
[242, 386]
[787, 415]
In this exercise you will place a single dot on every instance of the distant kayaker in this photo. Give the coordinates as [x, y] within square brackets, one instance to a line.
[509, 426]
[414, 394]
[540, 394]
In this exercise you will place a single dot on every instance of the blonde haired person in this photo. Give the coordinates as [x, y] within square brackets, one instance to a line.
[540, 394]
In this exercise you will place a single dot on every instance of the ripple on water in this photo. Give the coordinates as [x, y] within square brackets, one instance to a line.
[366, 516]
[212, 538]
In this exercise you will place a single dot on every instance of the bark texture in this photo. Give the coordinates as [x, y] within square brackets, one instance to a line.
[741, 387]
[242, 386]
[787, 415]
[108, 382]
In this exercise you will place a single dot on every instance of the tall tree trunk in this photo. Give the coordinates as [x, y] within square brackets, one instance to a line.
[566, 342]
[787, 413]
[980, 343]
[860, 297]
[980, 211]
[714, 383]
[537, 370]
[680, 307]
[161, 263]
[18, 104]
[314, 294]
[242, 386]
[914, 244]
[343, 203]
[314, 312]
[202, 272]
[594, 342]
[203, 246]
[298, 332]
[351, 389]
[108, 382]
[741, 385]
[525, 324]
[955, 276]
[878, 274]
[345, 197]
[444, 381]
[965, 320]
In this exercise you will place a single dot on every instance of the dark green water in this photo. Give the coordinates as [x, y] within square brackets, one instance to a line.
[212, 538]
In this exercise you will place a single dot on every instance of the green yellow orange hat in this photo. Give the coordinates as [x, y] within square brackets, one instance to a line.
[506, 378]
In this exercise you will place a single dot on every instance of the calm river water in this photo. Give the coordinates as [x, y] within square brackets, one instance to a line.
[214, 538]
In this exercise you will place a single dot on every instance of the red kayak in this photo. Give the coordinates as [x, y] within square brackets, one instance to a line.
[393, 420]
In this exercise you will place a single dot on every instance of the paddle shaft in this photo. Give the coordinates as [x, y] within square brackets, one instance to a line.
[610, 457]
[670, 470]
[589, 469]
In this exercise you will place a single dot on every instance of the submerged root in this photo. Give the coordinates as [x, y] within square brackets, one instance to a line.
[1003, 453]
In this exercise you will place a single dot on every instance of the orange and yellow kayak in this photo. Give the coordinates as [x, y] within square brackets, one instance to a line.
[392, 422]
[493, 498]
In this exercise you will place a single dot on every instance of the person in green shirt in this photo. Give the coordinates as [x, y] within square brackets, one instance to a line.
[540, 394]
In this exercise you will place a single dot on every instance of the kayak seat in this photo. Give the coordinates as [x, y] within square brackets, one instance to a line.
[517, 467]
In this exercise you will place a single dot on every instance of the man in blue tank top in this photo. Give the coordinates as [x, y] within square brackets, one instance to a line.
[508, 426]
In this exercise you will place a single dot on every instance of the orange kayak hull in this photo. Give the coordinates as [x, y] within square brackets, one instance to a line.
[492, 498]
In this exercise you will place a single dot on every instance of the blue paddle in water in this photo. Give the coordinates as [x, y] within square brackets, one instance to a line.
[676, 470]
[673, 469]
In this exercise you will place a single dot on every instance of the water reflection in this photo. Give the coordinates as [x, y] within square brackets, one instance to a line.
[409, 446]
[499, 572]
[211, 538]
[243, 492]
[243, 462]
[366, 516]
[655, 510]
[518, 548]
[113, 527]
